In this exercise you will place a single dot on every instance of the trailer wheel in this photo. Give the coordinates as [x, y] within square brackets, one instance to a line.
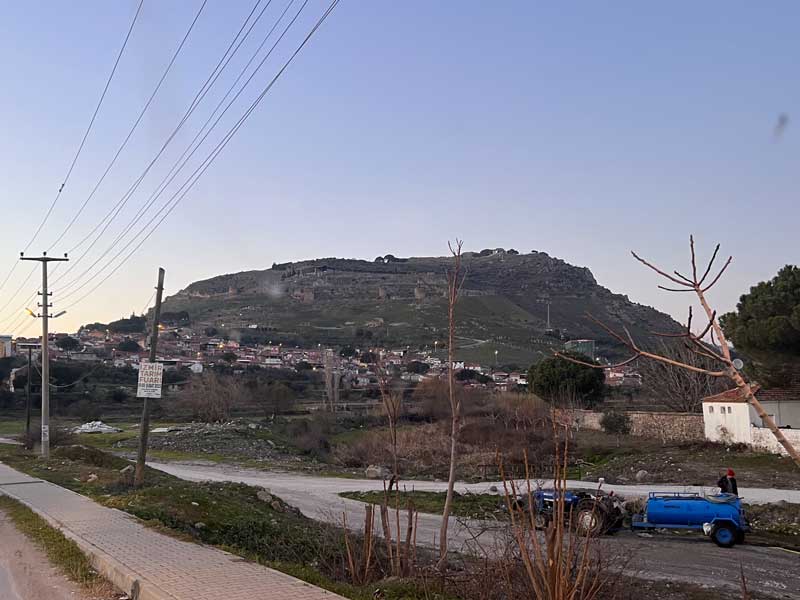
[590, 517]
[724, 536]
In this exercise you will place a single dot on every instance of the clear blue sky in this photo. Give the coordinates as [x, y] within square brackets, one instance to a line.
[583, 131]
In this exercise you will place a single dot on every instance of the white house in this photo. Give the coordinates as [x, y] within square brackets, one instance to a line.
[730, 419]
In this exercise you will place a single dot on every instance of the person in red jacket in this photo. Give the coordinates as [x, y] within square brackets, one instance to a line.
[727, 483]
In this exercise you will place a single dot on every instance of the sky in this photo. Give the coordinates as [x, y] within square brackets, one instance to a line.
[583, 130]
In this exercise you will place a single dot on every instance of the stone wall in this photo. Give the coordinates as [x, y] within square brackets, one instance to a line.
[664, 426]
[763, 439]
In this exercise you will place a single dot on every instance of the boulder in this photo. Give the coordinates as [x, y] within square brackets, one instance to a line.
[641, 475]
[377, 472]
[92, 478]
[264, 496]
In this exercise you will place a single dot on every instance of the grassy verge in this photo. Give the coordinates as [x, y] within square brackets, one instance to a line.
[62, 552]
[239, 518]
[474, 506]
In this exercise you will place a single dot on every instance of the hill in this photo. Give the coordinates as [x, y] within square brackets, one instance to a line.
[401, 302]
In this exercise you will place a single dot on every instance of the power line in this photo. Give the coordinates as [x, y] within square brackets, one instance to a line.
[175, 170]
[199, 96]
[80, 147]
[134, 127]
[89, 128]
[115, 210]
[219, 148]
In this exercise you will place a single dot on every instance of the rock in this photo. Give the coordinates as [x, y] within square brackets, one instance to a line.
[195, 504]
[276, 506]
[376, 472]
[199, 525]
[95, 427]
[252, 426]
[264, 496]
[271, 443]
[641, 475]
[92, 478]
[493, 489]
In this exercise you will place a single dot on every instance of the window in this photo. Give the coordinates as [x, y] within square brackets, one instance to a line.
[711, 409]
[730, 408]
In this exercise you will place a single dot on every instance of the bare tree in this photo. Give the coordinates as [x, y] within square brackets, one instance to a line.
[211, 397]
[718, 351]
[455, 279]
[680, 389]
[392, 400]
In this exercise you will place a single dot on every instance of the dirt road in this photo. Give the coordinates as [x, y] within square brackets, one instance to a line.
[25, 572]
[690, 559]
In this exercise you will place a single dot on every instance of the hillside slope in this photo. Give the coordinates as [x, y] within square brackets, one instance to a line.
[402, 302]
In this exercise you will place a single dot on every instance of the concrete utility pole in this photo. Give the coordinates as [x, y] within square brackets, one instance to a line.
[144, 431]
[45, 305]
[28, 398]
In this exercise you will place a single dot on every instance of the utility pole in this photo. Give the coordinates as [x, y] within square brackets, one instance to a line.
[45, 305]
[28, 398]
[144, 430]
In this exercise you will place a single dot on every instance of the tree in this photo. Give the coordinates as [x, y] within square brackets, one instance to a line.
[229, 357]
[211, 397]
[455, 280]
[472, 375]
[417, 367]
[766, 327]
[616, 423]
[347, 351]
[129, 345]
[554, 378]
[718, 351]
[277, 399]
[680, 389]
[68, 344]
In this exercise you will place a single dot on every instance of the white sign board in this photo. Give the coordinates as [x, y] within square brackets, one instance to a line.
[150, 375]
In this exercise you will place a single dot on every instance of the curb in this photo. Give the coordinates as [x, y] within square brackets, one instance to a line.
[120, 575]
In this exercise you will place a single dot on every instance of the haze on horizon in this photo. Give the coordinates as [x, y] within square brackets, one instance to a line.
[582, 132]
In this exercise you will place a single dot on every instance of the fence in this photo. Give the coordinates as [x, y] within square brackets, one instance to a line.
[665, 426]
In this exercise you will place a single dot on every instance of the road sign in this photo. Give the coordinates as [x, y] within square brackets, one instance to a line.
[150, 375]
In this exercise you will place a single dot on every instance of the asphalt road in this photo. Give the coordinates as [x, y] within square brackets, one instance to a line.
[689, 559]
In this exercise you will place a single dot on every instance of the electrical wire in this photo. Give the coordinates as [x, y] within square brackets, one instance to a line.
[80, 146]
[89, 128]
[134, 127]
[212, 78]
[144, 308]
[178, 165]
[218, 150]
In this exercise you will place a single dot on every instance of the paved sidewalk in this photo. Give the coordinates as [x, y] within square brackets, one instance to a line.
[146, 564]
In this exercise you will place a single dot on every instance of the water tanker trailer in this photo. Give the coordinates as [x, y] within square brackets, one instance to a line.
[719, 516]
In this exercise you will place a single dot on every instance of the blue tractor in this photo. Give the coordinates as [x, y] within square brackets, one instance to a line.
[719, 516]
[591, 512]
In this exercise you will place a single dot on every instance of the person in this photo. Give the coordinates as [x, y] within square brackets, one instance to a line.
[727, 483]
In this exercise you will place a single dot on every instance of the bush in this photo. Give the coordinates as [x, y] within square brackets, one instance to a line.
[58, 436]
[616, 423]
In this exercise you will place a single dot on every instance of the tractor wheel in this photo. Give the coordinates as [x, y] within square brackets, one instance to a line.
[541, 520]
[724, 536]
[589, 517]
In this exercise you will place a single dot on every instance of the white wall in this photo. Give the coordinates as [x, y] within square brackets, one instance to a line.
[727, 422]
[784, 413]
[763, 439]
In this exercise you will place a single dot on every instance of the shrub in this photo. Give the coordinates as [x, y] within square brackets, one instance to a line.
[616, 423]
[58, 436]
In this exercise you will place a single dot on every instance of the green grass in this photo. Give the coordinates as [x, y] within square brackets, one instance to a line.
[62, 552]
[476, 506]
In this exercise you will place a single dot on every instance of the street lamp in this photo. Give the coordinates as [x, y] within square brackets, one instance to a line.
[495, 358]
[30, 312]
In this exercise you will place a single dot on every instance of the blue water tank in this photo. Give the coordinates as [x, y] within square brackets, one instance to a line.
[689, 510]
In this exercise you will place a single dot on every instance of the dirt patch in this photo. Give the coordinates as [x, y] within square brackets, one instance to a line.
[26, 573]
[688, 464]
